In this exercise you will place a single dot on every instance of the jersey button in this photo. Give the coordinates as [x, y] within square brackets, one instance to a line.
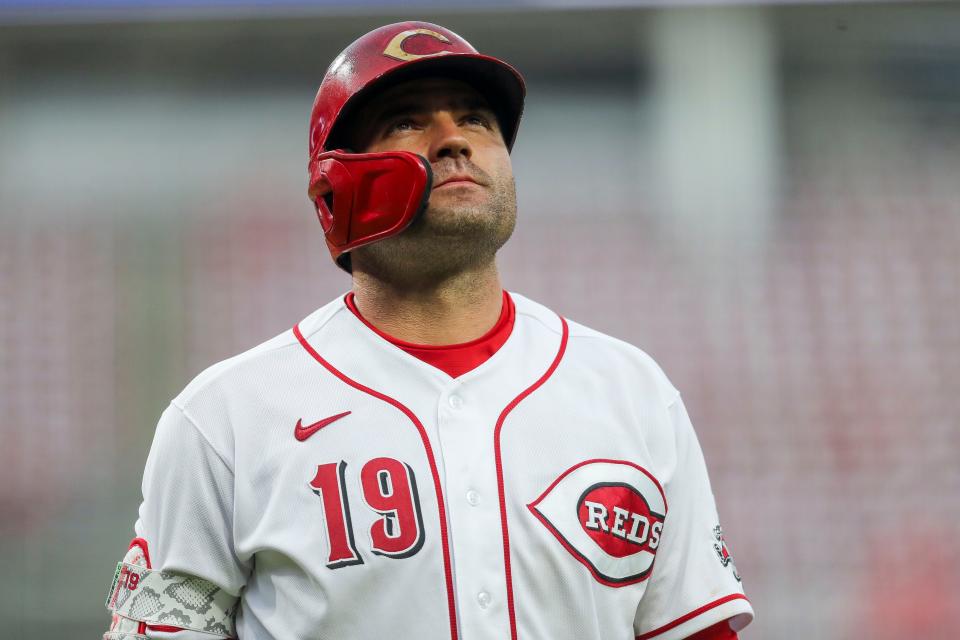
[483, 599]
[455, 401]
[473, 498]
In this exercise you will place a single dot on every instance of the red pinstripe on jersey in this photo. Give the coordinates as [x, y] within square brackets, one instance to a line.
[445, 544]
[511, 607]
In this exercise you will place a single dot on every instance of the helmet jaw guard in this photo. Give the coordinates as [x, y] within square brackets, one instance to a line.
[364, 208]
[364, 197]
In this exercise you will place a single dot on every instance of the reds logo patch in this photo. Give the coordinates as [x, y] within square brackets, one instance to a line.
[609, 515]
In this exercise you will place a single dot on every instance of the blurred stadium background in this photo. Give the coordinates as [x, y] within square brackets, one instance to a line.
[765, 198]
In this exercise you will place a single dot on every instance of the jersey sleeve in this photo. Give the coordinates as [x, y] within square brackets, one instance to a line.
[186, 517]
[694, 583]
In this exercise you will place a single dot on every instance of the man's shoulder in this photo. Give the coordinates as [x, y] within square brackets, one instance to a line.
[599, 351]
[258, 364]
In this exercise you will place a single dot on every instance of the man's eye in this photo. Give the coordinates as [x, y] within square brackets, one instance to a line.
[478, 119]
[401, 125]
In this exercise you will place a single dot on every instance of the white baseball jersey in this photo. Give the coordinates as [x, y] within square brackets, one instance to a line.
[343, 488]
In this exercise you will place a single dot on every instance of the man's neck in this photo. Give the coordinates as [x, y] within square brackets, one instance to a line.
[461, 308]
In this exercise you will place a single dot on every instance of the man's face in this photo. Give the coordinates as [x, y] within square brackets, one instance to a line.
[472, 208]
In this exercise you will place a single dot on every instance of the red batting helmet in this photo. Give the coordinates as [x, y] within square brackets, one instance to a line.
[371, 196]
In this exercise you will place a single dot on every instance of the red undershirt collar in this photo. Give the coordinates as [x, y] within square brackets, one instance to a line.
[455, 359]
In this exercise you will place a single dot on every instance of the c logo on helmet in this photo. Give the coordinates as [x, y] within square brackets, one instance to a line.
[396, 51]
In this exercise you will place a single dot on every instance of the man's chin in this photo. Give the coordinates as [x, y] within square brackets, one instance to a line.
[461, 220]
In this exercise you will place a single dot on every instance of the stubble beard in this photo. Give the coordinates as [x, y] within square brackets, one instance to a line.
[449, 239]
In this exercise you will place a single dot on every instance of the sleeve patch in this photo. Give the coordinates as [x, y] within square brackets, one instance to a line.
[723, 551]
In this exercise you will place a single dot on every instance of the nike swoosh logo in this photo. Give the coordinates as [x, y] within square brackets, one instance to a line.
[301, 432]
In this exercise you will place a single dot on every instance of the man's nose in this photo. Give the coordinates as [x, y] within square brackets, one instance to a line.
[448, 139]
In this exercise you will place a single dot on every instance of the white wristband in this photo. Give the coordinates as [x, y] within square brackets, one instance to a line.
[165, 598]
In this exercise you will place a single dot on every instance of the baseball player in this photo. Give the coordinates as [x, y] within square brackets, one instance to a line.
[428, 456]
